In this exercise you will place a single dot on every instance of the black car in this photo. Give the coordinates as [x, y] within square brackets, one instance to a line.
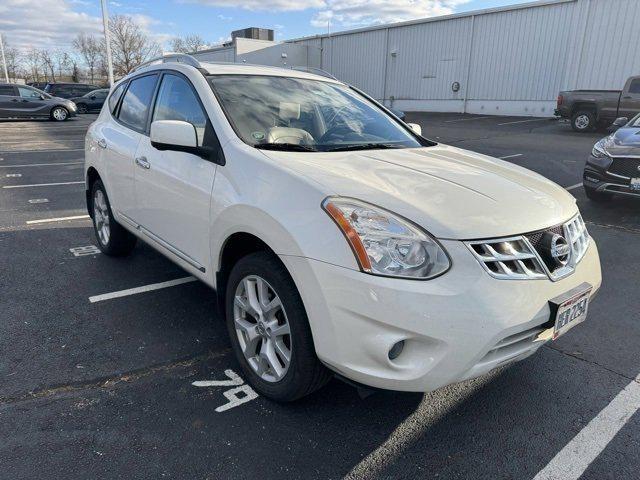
[69, 90]
[92, 101]
[614, 164]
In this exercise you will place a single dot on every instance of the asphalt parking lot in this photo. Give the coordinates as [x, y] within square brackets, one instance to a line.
[100, 384]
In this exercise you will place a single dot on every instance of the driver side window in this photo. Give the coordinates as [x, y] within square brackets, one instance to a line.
[177, 101]
[28, 93]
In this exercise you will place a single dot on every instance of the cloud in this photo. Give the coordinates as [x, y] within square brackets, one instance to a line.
[272, 5]
[354, 13]
[225, 18]
[45, 23]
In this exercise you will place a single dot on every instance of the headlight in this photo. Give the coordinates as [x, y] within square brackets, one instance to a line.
[598, 149]
[386, 244]
[599, 157]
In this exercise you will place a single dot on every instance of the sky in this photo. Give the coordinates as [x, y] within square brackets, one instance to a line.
[54, 23]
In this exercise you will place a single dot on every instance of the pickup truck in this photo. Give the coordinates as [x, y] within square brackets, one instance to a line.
[588, 109]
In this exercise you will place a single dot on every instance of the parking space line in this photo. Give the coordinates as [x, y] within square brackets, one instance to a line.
[525, 121]
[144, 288]
[41, 164]
[58, 219]
[42, 184]
[9, 152]
[465, 119]
[511, 156]
[573, 187]
[572, 461]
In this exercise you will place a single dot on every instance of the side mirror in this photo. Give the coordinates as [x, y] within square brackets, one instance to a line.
[179, 136]
[620, 122]
[416, 128]
[42, 97]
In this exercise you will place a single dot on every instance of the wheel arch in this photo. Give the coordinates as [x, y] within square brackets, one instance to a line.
[91, 177]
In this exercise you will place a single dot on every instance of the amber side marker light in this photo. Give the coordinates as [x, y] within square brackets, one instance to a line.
[350, 234]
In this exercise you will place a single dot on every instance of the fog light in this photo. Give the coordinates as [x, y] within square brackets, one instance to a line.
[396, 350]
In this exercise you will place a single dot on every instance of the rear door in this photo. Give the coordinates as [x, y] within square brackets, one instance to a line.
[173, 189]
[119, 138]
[630, 99]
[7, 97]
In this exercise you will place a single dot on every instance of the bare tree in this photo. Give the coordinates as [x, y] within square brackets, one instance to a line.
[33, 62]
[13, 58]
[49, 63]
[90, 50]
[130, 46]
[188, 44]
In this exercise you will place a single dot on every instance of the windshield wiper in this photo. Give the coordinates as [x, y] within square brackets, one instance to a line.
[290, 147]
[364, 146]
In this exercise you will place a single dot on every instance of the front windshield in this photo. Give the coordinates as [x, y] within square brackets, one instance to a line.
[305, 115]
[635, 121]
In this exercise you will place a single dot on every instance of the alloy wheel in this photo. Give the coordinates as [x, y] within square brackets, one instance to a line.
[101, 217]
[60, 114]
[582, 121]
[262, 328]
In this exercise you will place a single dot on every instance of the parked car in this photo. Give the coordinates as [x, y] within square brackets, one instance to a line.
[24, 101]
[92, 101]
[614, 164]
[336, 237]
[69, 90]
[590, 108]
[38, 85]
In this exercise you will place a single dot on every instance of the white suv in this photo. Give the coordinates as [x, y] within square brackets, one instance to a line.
[337, 238]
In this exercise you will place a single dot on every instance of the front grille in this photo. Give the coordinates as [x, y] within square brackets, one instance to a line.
[627, 167]
[523, 257]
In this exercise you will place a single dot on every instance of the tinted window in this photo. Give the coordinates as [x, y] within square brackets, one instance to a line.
[136, 101]
[99, 93]
[6, 90]
[635, 86]
[115, 96]
[28, 93]
[62, 91]
[177, 101]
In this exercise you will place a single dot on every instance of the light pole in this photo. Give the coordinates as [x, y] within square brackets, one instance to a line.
[4, 61]
[105, 24]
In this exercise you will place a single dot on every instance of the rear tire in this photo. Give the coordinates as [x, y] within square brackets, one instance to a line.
[59, 114]
[113, 239]
[594, 195]
[260, 280]
[583, 121]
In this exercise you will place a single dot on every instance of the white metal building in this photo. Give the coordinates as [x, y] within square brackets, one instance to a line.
[511, 60]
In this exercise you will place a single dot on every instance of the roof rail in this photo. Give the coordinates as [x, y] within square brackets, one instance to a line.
[316, 71]
[171, 58]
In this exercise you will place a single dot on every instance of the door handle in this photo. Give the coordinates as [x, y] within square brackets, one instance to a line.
[628, 97]
[102, 143]
[142, 162]
[15, 100]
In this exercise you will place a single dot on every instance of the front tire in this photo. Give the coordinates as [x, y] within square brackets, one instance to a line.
[59, 114]
[583, 121]
[113, 239]
[82, 108]
[269, 330]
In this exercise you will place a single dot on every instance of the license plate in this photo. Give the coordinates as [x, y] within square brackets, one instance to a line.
[571, 309]
[635, 184]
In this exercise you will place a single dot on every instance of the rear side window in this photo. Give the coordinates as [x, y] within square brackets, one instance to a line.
[177, 101]
[136, 102]
[6, 90]
[115, 96]
[635, 86]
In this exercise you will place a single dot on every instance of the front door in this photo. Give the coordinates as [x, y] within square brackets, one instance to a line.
[119, 140]
[630, 99]
[31, 103]
[173, 189]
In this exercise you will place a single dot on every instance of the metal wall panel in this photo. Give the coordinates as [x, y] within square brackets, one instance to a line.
[520, 54]
[424, 62]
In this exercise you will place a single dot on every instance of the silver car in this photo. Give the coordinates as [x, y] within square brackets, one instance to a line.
[19, 101]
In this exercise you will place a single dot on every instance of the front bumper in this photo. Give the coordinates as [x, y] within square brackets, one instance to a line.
[455, 327]
[603, 181]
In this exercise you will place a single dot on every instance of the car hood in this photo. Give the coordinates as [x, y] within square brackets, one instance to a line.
[452, 193]
[626, 141]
